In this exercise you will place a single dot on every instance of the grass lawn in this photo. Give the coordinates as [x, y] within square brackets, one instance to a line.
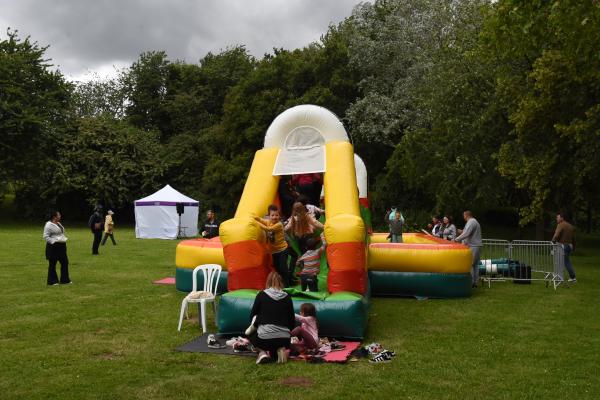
[111, 335]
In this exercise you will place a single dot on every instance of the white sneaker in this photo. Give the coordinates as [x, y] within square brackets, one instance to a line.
[262, 358]
[573, 280]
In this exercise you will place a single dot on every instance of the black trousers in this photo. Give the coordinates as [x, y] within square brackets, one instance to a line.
[106, 236]
[280, 262]
[97, 239]
[310, 281]
[64, 270]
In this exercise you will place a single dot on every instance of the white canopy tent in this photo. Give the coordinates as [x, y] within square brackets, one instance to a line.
[156, 215]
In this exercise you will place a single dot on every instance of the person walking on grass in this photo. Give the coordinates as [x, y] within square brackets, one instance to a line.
[56, 250]
[109, 227]
[471, 236]
[95, 224]
[273, 318]
[565, 235]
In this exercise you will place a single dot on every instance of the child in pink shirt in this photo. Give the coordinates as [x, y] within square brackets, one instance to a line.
[307, 332]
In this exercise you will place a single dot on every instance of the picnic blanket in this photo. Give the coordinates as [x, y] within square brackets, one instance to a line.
[199, 345]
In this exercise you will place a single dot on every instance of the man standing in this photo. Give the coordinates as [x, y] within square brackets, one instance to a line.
[211, 225]
[565, 235]
[95, 224]
[471, 236]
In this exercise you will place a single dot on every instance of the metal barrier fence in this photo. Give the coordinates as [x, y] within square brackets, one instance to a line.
[522, 261]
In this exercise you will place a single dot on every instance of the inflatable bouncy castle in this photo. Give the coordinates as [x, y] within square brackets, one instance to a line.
[357, 262]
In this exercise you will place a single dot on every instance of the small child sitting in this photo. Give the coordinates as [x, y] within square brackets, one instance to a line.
[308, 331]
[311, 263]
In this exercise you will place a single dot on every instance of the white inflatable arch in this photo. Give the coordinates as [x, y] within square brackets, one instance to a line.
[301, 133]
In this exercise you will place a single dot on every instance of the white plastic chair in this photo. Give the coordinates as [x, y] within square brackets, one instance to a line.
[211, 273]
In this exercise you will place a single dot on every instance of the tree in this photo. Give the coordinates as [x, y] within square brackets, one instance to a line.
[34, 111]
[107, 161]
[549, 81]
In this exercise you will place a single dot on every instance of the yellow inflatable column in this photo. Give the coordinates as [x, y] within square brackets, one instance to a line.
[248, 260]
[344, 228]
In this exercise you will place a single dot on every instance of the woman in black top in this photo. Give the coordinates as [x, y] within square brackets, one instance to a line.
[273, 318]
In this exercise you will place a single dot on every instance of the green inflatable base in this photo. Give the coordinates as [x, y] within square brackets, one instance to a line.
[419, 284]
[343, 314]
[183, 280]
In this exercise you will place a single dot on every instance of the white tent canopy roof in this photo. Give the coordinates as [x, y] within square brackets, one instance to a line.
[165, 197]
[156, 215]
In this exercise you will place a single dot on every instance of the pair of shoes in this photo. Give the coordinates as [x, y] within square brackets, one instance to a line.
[213, 343]
[374, 348]
[282, 355]
[573, 280]
[474, 286]
[381, 358]
[242, 348]
[388, 353]
[263, 358]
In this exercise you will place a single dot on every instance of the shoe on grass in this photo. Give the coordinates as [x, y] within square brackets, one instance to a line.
[573, 280]
[213, 343]
[381, 358]
[263, 358]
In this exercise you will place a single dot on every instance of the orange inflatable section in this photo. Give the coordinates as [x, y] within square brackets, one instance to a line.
[248, 264]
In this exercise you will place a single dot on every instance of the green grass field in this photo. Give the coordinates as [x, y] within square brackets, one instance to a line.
[112, 334]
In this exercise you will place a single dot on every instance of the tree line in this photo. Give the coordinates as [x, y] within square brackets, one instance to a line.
[451, 104]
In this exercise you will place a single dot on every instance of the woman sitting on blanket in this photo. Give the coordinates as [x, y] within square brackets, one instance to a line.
[272, 320]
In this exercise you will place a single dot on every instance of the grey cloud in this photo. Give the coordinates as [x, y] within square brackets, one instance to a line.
[92, 35]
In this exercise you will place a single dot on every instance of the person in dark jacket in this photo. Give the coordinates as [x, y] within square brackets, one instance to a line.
[95, 224]
[56, 250]
[273, 319]
[211, 225]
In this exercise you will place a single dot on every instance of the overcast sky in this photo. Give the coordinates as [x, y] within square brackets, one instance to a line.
[98, 35]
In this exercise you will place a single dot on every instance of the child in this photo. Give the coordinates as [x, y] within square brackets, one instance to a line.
[307, 332]
[396, 228]
[311, 261]
[276, 241]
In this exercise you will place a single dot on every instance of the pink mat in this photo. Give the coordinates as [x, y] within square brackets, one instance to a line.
[341, 355]
[165, 281]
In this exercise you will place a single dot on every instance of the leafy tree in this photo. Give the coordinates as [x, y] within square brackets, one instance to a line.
[107, 161]
[34, 110]
[549, 82]
[317, 74]
[100, 97]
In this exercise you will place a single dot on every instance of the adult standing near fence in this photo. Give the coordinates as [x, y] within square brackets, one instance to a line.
[565, 235]
[95, 224]
[56, 249]
[471, 236]
[109, 228]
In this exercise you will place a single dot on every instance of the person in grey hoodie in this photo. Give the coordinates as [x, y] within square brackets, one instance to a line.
[471, 236]
[272, 318]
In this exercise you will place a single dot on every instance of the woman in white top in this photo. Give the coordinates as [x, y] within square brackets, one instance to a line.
[56, 250]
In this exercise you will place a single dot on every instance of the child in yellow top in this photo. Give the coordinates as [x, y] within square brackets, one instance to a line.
[277, 244]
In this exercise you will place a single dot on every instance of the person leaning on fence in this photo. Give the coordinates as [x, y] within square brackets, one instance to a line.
[565, 235]
[471, 236]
